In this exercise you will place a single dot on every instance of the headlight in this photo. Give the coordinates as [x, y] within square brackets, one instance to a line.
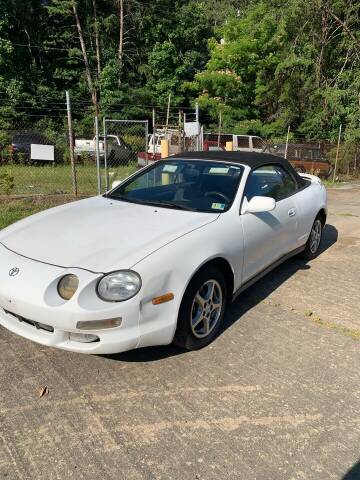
[67, 286]
[119, 286]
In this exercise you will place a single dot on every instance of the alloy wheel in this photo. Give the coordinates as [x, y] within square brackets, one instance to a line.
[315, 236]
[206, 308]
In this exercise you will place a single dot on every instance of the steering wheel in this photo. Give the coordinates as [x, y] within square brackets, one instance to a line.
[218, 194]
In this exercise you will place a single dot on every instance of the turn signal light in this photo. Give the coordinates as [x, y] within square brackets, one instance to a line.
[167, 297]
[99, 324]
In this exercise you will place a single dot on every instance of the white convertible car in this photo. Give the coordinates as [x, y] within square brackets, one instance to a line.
[157, 259]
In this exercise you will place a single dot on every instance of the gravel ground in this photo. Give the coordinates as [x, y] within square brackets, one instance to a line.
[276, 396]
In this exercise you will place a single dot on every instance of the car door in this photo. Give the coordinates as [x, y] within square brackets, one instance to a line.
[269, 235]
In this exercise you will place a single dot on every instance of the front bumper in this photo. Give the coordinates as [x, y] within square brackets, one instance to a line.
[31, 295]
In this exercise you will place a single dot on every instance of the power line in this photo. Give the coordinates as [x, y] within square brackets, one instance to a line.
[42, 47]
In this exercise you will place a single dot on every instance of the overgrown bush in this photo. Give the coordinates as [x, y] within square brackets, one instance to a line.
[348, 159]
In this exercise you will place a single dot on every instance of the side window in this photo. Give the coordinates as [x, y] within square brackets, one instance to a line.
[270, 181]
[243, 142]
[258, 142]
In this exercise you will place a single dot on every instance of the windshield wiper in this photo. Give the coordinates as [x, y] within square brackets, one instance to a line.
[152, 203]
[171, 205]
[123, 198]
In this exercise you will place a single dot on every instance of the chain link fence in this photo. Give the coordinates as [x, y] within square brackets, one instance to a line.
[35, 155]
[35, 159]
[123, 148]
[315, 157]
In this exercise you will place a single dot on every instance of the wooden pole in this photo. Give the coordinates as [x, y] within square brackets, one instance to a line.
[168, 114]
[197, 119]
[287, 142]
[337, 153]
[97, 152]
[154, 134]
[180, 136]
[219, 133]
[71, 143]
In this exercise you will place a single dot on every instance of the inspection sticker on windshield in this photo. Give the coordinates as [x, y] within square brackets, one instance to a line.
[219, 170]
[170, 168]
[218, 206]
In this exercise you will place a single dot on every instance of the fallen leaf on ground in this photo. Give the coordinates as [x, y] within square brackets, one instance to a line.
[44, 391]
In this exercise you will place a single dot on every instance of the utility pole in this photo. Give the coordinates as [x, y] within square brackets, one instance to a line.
[71, 143]
[154, 135]
[337, 153]
[220, 122]
[97, 152]
[287, 141]
[197, 119]
[168, 114]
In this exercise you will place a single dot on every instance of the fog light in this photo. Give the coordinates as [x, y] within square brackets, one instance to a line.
[83, 337]
[99, 324]
[67, 286]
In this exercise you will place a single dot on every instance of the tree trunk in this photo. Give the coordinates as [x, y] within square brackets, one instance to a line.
[86, 61]
[97, 43]
[29, 45]
[347, 29]
[121, 39]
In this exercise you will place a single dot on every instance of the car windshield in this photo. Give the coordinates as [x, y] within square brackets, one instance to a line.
[197, 185]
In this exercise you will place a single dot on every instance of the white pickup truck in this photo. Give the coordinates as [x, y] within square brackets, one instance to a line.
[89, 146]
[117, 150]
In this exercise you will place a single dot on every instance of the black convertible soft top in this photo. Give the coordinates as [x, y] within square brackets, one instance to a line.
[252, 159]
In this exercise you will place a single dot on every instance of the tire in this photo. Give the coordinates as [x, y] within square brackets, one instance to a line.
[314, 240]
[198, 321]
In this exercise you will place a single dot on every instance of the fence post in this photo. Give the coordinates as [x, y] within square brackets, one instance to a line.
[219, 132]
[71, 143]
[97, 152]
[154, 136]
[105, 158]
[287, 142]
[337, 153]
[147, 142]
[197, 119]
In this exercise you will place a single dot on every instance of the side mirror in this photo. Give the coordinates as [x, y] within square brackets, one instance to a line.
[260, 204]
[116, 183]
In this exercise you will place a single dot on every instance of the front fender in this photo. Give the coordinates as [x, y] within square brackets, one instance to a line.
[170, 269]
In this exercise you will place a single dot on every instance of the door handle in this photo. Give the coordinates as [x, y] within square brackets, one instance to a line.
[292, 212]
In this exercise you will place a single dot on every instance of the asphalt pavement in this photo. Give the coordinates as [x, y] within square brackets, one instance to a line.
[276, 396]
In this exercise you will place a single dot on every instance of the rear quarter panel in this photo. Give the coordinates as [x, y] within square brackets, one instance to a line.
[309, 202]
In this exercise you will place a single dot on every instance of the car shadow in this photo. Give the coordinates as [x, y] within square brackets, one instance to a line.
[270, 282]
[353, 473]
[244, 302]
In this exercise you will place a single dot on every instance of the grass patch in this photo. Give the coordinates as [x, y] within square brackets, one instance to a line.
[347, 215]
[57, 179]
[355, 334]
[329, 183]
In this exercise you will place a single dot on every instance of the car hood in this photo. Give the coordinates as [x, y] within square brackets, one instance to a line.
[99, 234]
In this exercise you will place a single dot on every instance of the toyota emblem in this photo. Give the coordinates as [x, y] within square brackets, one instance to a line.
[14, 271]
